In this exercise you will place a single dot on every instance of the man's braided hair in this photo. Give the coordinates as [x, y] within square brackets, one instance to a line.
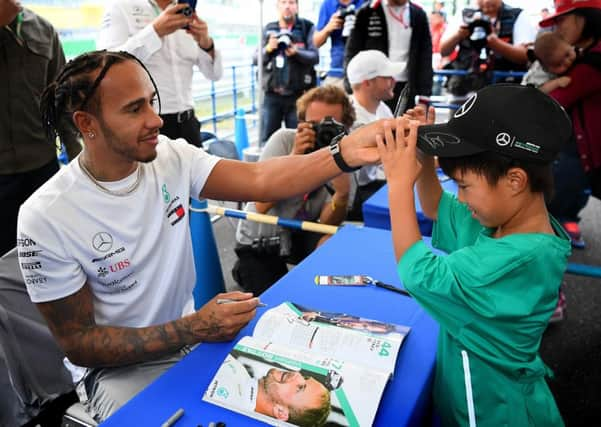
[75, 90]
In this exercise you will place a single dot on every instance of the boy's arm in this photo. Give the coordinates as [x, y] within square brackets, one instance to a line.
[428, 186]
[402, 168]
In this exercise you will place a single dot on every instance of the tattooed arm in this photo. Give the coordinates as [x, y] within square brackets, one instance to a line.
[71, 320]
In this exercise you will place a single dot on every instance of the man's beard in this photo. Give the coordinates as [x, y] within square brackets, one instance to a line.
[115, 143]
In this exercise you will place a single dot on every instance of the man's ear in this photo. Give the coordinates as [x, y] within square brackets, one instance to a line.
[280, 412]
[517, 179]
[85, 123]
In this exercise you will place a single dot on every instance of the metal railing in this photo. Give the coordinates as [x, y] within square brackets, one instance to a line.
[242, 78]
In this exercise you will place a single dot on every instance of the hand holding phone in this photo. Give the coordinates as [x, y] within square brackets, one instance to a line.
[188, 11]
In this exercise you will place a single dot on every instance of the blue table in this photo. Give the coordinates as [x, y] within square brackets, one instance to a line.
[377, 215]
[350, 251]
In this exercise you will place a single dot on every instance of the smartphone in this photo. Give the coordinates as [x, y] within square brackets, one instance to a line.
[345, 280]
[190, 9]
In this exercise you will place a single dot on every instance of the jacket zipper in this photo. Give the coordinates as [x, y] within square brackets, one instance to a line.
[468, 389]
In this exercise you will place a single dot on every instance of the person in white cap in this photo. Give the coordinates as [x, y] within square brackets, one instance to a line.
[372, 77]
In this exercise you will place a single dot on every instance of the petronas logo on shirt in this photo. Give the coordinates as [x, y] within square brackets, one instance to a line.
[166, 195]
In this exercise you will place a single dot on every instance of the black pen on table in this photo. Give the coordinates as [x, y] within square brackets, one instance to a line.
[173, 418]
[229, 300]
[389, 287]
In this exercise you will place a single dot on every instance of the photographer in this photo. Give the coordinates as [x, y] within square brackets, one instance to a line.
[400, 29]
[264, 250]
[490, 38]
[336, 21]
[289, 58]
[170, 39]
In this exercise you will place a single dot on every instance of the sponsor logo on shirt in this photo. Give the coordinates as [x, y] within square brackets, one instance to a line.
[166, 195]
[102, 241]
[121, 265]
[102, 272]
[109, 255]
[117, 284]
[25, 242]
[35, 279]
[174, 214]
[28, 254]
[31, 265]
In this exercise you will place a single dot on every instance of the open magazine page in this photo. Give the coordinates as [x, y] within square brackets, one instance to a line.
[363, 341]
[284, 386]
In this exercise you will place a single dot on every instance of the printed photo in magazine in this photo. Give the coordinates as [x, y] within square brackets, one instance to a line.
[306, 367]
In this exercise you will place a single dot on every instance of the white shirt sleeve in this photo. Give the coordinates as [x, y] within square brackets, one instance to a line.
[524, 31]
[50, 273]
[211, 68]
[115, 34]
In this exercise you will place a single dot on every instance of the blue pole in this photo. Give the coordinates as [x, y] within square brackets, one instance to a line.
[209, 278]
[241, 133]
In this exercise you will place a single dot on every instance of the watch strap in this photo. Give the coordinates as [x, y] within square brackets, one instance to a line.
[337, 155]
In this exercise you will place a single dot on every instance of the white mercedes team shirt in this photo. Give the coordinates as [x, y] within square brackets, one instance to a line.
[127, 25]
[135, 251]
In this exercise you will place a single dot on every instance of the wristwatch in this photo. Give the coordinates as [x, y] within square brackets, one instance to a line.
[335, 150]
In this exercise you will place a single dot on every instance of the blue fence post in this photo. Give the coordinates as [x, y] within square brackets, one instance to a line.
[241, 133]
[209, 278]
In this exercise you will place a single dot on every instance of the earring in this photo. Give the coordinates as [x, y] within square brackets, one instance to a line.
[91, 134]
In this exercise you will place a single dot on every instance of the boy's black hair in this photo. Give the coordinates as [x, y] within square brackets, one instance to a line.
[494, 166]
[75, 89]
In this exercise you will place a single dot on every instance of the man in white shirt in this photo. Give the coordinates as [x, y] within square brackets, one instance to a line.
[170, 43]
[372, 77]
[105, 247]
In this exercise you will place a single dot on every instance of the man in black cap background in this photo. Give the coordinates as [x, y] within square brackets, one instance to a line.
[494, 293]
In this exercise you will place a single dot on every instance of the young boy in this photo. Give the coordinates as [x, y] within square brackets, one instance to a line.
[554, 57]
[494, 292]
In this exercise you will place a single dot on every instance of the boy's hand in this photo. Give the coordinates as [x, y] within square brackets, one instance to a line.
[398, 152]
[419, 113]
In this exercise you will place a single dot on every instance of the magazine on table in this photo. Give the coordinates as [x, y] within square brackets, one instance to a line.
[306, 367]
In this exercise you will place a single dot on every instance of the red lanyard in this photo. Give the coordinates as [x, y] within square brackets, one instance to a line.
[399, 17]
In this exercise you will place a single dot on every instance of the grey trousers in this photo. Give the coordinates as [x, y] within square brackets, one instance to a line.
[108, 389]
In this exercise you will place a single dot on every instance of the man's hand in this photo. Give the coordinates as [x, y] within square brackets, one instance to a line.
[398, 152]
[170, 20]
[272, 44]
[199, 30]
[304, 139]
[359, 147]
[291, 51]
[221, 322]
[335, 23]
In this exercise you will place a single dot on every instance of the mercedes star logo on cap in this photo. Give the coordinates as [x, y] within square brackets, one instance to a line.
[102, 242]
[503, 139]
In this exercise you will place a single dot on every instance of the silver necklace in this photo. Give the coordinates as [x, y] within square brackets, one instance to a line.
[120, 193]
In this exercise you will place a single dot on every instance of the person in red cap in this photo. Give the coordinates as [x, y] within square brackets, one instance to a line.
[579, 165]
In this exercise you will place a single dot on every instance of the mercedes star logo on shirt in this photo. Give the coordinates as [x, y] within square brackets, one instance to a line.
[102, 242]
[503, 139]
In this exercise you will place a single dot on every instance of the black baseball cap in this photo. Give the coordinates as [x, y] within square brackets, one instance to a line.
[520, 122]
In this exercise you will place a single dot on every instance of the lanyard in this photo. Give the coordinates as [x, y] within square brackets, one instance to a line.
[400, 16]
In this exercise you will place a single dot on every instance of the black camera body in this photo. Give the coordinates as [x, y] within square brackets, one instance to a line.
[284, 38]
[266, 245]
[326, 130]
[343, 12]
[479, 26]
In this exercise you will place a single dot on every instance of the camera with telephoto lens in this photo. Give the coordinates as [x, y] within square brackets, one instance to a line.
[266, 245]
[343, 12]
[284, 38]
[325, 131]
[479, 26]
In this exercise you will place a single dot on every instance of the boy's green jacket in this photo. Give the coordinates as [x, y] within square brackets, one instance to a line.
[493, 298]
